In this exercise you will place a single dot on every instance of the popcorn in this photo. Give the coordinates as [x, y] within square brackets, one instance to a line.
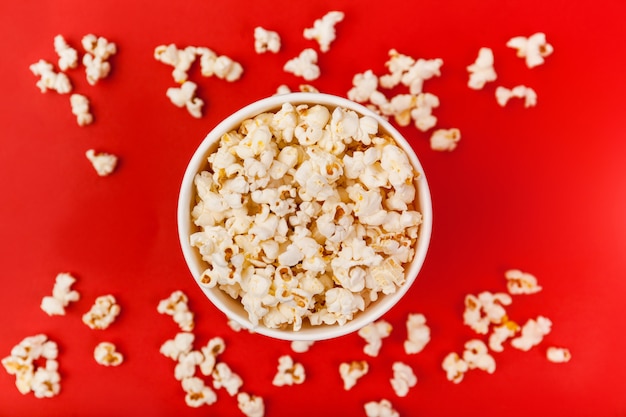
[176, 306]
[99, 50]
[323, 30]
[481, 71]
[398, 64]
[102, 313]
[383, 408]
[476, 355]
[501, 333]
[31, 375]
[445, 139]
[420, 71]
[373, 334]
[532, 333]
[364, 86]
[187, 363]
[503, 95]
[351, 372]
[304, 65]
[61, 295]
[455, 367]
[80, 109]
[181, 344]
[197, 393]
[250, 405]
[223, 377]
[403, 379]
[50, 79]
[301, 346]
[68, 56]
[484, 310]
[104, 163]
[180, 59]
[289, 373]
[418, 334]
[266, 40]
[519, 282]
[558, 354]
[534, 48]
[213, 348]
[185, 96]
[222, 66]
[106, 354]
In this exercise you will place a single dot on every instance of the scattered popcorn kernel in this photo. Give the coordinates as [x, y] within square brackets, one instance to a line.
[250, 405]
[364, 85]
[224, 377]
[373, 334]
[289, 373]
[213, 348]
[418, 334]
[176, 305]
[103, 312]
[50, 79]
[61, 296]
[180, 59]
[301, 346]
[104, 163]
[481, 71]
[222, 66]
[197, 393]
[445, 139]
[304, 65]
[558, 354]
[501, 333]
[106, 354]
[181, 344]
[185, 96]
[99, 50]
[323, 30]
[534, 48]
[398, 64]
[503, 95]
[46, 381]
[518, 282]
[382, 408]
[532, 333]
[80, 109]
[187, 364]
[403, 379]
[68, 56]
[266, 40]
[476, 355]
[455, 367]
[485, 309]
[351, 372]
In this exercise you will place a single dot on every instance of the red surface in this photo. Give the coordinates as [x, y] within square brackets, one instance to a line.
[540, 189]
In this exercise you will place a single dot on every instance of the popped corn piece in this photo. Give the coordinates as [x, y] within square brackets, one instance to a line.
[476, 355]
[382, 408]
[50, 79]
[197, 393]
[62, 295]
[106, 354]
[503, 95]
[403, 379]
[533, 49]
[455, 367]
[364, 85]
[46, 381]
[103, 312]
[398, 64]
[224, 377]
[481, 71]
[213, 348]
[185, 96]
[80, 109]
[181, 344]
[445, 139]
[68, 56]
[222, 66]
[289, 373]
[180, 59]
[323, 30]
[532, 333]
[99, 50]
[421, 114]
[283, 89]
[301, 346]
[501, 333]
[373, 334]
[558, 354]
[266, 40]
[250, 405]
[176, 305]
[519, 282]
[351, 372]
[420, 71]
[104, 163]
[187, 363]
[484, 310]
[304, 65]
[418, 334]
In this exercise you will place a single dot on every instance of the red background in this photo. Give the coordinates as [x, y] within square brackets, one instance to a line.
[540, 189]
